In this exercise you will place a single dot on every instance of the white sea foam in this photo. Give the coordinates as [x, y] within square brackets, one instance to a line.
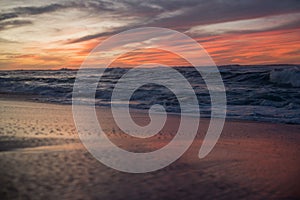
[263, 93]
[290, 76]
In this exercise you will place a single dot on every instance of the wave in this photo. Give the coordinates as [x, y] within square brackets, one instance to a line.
[263, 93]
[289, 76]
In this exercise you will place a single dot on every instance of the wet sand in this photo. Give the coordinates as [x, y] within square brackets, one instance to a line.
[41, 157]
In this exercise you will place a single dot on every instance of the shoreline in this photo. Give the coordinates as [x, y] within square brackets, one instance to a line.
[30, 98]
[42, 157]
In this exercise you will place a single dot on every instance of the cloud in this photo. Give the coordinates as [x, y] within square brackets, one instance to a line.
[37, 10]
[71, 28]
[93, 36]
[102, 34]
[11, 19]
[215, 11]
[183, 15]
[6, 41]
[32, 10]
[257, 25]
[29, 10]
[15, 15]
[5, 16]
[14, 23]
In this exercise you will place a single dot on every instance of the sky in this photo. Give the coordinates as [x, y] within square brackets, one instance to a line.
[60, 34]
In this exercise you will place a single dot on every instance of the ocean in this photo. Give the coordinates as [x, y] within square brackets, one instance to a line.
[259, 93]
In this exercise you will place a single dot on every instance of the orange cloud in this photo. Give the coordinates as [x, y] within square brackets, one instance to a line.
[148, 56]
[255, 48]
[280, 46]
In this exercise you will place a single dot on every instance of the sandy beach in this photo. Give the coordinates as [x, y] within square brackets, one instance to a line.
[112, 100]
[41, 157]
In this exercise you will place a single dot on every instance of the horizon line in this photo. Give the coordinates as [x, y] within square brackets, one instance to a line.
[175, 66]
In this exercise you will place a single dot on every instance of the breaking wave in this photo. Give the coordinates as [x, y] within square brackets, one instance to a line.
[262, 93]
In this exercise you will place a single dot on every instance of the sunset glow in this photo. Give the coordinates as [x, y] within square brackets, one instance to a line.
[54, 35]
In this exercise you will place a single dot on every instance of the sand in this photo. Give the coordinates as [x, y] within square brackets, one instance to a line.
[41, 157]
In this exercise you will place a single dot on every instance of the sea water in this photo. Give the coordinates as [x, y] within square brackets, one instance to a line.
[260, 93]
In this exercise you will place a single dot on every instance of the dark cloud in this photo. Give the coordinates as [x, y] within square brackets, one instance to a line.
[94, 6]
[5, 16]
[13, 17]
[176, 14]
[216, 11]
[195, 12]
[292, 25]
[31, 10]
[102, 34]
[13, 23]
[139, 9]
[93, 36]
[198, 12]
[10, 20]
